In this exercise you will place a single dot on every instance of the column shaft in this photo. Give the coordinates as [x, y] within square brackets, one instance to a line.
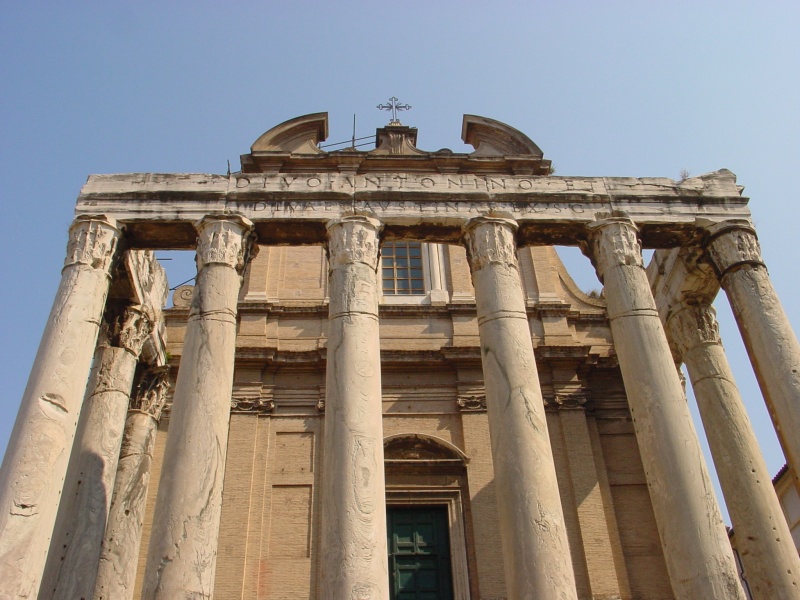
[768, 336]
[36, 460]
[353, 552]
[535, 547]
[183, 546]
[696, 549]
[75, 549]
[770, 559]
[119, 556]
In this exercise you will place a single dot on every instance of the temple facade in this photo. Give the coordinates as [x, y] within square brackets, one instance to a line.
[385, 384]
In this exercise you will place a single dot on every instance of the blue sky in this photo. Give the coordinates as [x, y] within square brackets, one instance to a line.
[612, 88]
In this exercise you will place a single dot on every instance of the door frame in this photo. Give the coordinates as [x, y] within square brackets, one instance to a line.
[450, 498]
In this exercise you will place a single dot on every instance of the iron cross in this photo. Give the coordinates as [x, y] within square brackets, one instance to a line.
[394, 105]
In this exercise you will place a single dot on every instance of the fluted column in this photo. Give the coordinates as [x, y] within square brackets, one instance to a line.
[696, 549]
[770, 559]
[36, 460]
[535, 546]
[120, 549]
[353, 551]
[768, 336]
[75, 549]
[183, 546]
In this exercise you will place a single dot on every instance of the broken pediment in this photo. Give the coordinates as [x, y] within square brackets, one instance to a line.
[300, 135]
[493, 138]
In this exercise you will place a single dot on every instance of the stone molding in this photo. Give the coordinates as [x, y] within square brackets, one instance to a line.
[611, 242]
[691, 326]
[353, 239]
[490, 240]
[93, 241]
[151, 392]
[227, 240]
[733, 245]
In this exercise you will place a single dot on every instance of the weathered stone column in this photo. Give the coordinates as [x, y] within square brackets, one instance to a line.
[768, 336]
[353, 553]
[535, 546]
[696, 549]
[183, 546]
[771, 563]
[120, 550]
[36, 460]
[75, 549]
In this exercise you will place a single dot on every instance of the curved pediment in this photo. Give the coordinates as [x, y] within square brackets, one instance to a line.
[300, 135]
[415, 446]
[493, 138]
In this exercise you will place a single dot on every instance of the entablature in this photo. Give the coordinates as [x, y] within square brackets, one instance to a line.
[159, 210]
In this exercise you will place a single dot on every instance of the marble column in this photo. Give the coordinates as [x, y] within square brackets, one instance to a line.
[696, 548]
[119, 556]
[535, 547]
[183, 545]
[71, 566]
[353, 553]
[38, 452]
[770, 559]
[768, 336]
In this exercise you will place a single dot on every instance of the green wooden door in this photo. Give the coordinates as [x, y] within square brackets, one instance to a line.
[419, 554]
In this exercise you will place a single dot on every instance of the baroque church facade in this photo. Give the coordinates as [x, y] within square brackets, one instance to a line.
[385, 384]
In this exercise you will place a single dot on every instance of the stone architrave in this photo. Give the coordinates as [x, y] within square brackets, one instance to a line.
[38, 452]
[767, 334]
[75, 549]
[183, 546]
[120, 550]
[771, 563]
[696, 549]
[353, 552]
[535, 545]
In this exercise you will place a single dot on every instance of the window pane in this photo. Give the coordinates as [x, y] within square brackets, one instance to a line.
[416, 262]
[401, 262]
[396, 275]
[401, 251]
[415, 273]
[415, 249]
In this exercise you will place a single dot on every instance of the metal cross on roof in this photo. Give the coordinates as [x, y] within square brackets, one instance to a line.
[394, 105]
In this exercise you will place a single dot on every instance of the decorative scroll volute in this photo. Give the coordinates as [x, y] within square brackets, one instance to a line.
[151, 393]
[613, 242]
[692, 326]
[490, 240]
[225, 240]
[93, 241]
[733, 247]
[353, 240]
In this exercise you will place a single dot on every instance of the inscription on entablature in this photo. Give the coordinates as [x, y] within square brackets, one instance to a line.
[287, 207]
[337, 182]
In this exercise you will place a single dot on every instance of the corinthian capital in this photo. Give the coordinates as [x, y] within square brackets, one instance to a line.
[353, 240]
[92, 241]
[490, 240]
[151, 392]
[692, 326]
[226, 240]
[131, 329]
[613, 242]
[732, 245]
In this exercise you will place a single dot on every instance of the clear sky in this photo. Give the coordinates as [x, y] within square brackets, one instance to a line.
[604, 88]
